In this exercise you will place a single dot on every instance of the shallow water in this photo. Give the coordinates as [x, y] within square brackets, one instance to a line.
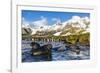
[56, 55]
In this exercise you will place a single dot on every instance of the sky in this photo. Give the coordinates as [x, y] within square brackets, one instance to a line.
[48, 17]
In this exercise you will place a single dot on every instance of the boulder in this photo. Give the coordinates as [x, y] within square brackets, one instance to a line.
[47, 47]
[75, 49]
[35, 45]
[44, 50]
[62, 48]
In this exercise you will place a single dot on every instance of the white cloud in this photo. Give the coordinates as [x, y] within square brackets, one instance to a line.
[86, 19]
[58, 21]
[78, 21]
[42, 22]
[25, 23]
[74, 19]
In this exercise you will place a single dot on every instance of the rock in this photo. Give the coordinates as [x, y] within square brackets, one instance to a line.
[38, 50]
[47, 51]
[35, 45]
[47, 46]
[62, 48]
[37, 53]
[75, 49]
[35, 48]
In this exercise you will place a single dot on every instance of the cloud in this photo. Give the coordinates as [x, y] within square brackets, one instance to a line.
[79, 21]
[42, 22]
[58, 21]
[86, 20]
[24, 22]
[74, 19]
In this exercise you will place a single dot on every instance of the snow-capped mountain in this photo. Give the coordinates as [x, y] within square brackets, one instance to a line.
[75, 25]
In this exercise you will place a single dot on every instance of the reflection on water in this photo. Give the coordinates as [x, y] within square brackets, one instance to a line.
[59, 52]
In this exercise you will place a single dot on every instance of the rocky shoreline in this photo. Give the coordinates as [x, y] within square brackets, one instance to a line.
[59, 52]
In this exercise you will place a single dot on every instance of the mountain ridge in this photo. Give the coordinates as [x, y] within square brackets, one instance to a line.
[75, 25]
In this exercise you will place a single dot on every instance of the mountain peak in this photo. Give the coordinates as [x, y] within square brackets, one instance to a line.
[73, 25]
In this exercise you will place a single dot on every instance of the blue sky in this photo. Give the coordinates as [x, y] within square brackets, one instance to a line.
[31, 16]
